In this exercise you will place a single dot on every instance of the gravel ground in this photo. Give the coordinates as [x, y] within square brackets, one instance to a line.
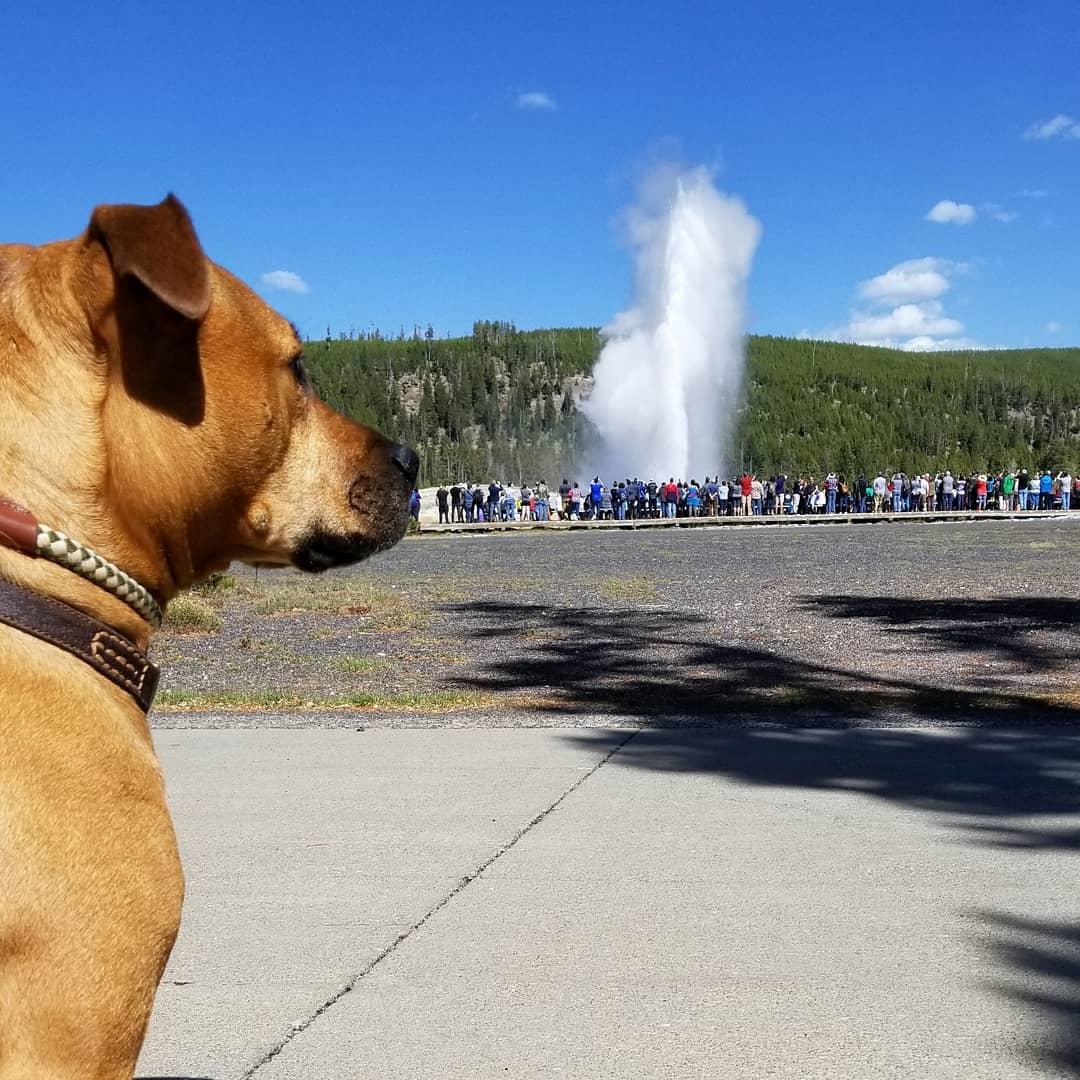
[958, 623]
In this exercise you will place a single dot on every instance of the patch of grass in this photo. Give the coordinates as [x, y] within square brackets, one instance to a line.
[380, 609]
[217, 583]
[633, 589]
[434, 701]
[360, 665]
[191, 614]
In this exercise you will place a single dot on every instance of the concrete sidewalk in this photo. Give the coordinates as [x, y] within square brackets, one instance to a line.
[532, 903]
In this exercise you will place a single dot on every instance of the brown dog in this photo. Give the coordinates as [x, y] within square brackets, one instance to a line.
[155, 408]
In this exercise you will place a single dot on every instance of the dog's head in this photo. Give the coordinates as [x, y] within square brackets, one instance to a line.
[214, 443]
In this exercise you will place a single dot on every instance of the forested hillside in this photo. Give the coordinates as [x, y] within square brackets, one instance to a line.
[504, 402]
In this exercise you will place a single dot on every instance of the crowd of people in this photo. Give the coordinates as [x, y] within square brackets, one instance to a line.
[746, 495]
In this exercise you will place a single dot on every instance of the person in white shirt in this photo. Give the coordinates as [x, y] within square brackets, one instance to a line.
[1065, 483]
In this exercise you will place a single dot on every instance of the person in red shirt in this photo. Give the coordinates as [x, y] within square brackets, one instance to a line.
[670, 498]
[980, 492]
[746, 487]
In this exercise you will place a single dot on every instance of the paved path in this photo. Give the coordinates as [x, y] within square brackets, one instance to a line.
[604, 903]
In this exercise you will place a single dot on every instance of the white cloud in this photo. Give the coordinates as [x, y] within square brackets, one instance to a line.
[1054, 327]
[924, 320]
[903, 309]
[285, 281]
[914, 280]
[1057, 127]
[948, 212]
[536, 99]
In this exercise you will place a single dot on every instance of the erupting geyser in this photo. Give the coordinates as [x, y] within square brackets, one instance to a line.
[668, 377]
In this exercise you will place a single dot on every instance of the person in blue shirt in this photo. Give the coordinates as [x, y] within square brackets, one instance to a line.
[1046, 491]
[596, 491]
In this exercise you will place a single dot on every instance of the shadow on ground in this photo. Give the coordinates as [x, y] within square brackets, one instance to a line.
[1046, 955]
[1001, 767]
[1039, 631]
[664, 666]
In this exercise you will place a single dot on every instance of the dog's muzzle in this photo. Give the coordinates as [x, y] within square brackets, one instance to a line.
[407, 461]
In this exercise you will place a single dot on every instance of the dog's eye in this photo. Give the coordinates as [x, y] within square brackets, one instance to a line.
[296, 366]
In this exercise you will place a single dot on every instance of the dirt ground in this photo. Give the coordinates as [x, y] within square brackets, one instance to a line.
[965, 623]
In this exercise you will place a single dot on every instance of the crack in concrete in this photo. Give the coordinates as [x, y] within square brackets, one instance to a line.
[468, 879]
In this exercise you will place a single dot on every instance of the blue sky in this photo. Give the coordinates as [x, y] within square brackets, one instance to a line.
[440, 163]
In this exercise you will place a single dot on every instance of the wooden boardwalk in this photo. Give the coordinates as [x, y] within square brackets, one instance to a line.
[752, 521]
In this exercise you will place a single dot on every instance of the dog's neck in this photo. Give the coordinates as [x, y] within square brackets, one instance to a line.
[49, 579]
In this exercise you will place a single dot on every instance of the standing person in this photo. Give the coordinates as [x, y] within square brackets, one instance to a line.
[494, 494]
[757, 497]
[1022, 482]
[652, 492]
[712, 496]
[576, 499]
[606, 506]
[693, 499]
[898, 492]
[671, 498]
[981, 491]
[1046, 488]
[1033, 491]
[880, 487]
[618, 499]
[414, 506]
[455, 503]
[1008, 491]
[442, 497]
[831, 484]
[860, 493]
[722, 491]
[781, 491]
[746, 488]
[596, 493]
[948, 491]
[1065, 482]
[509, 503]
[467, 502]
[543, 498]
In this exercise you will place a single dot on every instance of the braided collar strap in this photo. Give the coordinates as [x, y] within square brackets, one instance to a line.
[19, 529]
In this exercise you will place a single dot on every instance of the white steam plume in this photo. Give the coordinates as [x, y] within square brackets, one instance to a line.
[669, 374]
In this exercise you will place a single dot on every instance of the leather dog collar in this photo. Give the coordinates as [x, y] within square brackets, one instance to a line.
[19, 529]
[107, 652]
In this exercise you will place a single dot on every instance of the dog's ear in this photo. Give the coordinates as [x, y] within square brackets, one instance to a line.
[157, 245]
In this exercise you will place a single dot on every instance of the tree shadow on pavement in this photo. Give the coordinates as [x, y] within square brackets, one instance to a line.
[777, 720]
[999, 767]
[1046, 956]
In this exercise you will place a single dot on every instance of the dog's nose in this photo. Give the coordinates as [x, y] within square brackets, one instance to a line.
[406, 460]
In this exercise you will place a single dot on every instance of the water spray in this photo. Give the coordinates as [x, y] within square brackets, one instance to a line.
[669, 375]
